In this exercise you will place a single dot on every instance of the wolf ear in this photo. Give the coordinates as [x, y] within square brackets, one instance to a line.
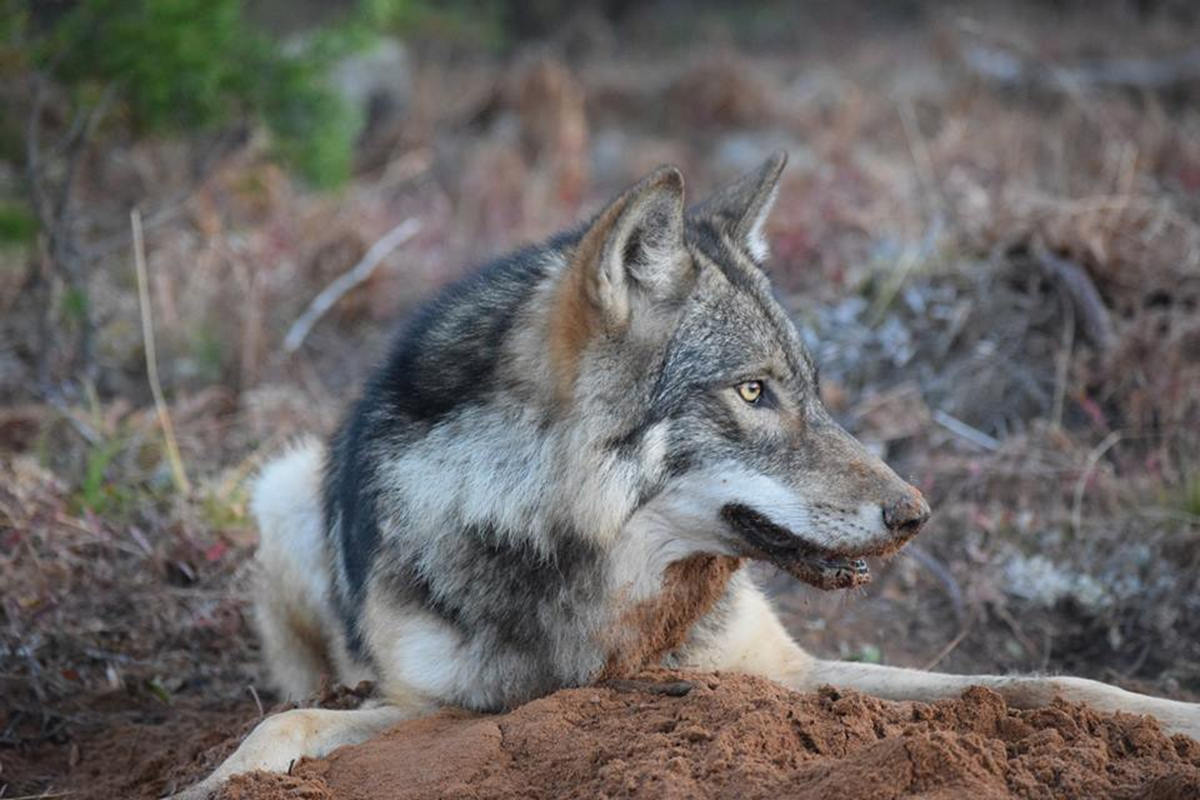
[636, 244]
[741, 208]
[633, 247]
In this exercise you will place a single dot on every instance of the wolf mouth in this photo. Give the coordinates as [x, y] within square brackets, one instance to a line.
[817, 566]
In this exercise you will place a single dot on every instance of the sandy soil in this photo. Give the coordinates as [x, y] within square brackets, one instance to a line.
[671, 735]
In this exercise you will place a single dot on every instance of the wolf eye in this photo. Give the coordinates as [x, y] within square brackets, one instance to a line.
[750, 391]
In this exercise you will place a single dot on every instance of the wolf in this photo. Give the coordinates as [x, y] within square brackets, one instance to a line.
[558, 475]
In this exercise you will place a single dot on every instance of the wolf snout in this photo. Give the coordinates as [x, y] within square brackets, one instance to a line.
[906, 515]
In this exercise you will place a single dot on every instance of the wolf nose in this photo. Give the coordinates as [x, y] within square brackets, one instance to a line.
[906, 515]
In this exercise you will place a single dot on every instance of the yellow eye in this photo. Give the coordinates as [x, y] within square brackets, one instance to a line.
[750, 391]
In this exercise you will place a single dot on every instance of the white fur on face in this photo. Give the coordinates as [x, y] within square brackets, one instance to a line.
[685, 519]
[690, 511]
[654, 448]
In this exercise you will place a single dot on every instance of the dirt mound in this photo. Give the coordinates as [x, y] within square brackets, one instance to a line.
[685, 736]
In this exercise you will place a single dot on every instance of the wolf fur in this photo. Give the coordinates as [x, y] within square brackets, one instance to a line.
[557, 476]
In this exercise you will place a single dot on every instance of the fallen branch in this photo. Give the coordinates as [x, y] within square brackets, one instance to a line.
[65, 256]
[1074, 281]
[182, 484]
[347, 281]
[965, 431]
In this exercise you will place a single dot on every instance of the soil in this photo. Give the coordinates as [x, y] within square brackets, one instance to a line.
[678, 735]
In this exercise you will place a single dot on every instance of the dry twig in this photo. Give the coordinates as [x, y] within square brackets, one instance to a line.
[1062, 363]
[965, 431]
[182, 484]
[1093, 459]
[948, 649]
[257, 700]
[1075, 283]
[944, 576]
[347, 281]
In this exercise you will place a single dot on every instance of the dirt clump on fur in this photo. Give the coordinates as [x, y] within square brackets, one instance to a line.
[737, 736]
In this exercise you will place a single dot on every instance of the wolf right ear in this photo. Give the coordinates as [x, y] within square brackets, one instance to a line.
[636, 244]
[742, 207]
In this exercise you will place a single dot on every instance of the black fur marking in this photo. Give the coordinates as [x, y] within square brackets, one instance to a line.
[720, 417]
[627, 443]
[350, 518]
[765, 535]
[706, 238]
[631, 255]
[823, 568]
[443, 360]
[507, 599]
[679, 463]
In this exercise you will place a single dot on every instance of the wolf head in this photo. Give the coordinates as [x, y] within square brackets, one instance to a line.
[665, 324]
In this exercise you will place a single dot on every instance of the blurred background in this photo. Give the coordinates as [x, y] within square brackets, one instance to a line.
[213, 213]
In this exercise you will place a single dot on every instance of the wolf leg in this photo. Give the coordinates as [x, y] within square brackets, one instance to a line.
[293, 607]
[283, 739]
[754, 641]
[1019, 691]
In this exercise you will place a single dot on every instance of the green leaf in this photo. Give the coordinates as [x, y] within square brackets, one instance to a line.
[158, 690]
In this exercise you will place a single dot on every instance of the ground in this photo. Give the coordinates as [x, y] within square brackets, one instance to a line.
[998, 270]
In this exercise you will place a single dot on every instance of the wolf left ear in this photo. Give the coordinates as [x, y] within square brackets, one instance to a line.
[633, 250]
[741, 208]
[635, 245]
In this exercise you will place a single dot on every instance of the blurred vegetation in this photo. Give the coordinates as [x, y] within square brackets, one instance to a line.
[17, 225]
[182, 66]
[92, 74]
[188, 66]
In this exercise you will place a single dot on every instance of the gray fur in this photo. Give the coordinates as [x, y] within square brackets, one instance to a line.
[462, 490]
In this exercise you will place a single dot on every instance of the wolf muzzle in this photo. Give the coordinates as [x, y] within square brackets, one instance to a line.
[822, 567]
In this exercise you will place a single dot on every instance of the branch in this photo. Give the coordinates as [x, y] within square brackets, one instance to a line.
[965, 431]
[1074, 281]
[75, 148]
[33, 141]
[347, 281]
[33, 158]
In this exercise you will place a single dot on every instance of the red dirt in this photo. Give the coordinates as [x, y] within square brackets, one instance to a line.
[118, 752]
[118, 747]
[735, 736]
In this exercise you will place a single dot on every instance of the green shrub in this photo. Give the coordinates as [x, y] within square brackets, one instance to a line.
[182, 66]
[17, 225]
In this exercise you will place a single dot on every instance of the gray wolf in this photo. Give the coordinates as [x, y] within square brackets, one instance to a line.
[557, 477]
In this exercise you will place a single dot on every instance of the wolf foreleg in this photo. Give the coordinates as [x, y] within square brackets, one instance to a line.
[1019, 691]
[283, 739]
[754, 641]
